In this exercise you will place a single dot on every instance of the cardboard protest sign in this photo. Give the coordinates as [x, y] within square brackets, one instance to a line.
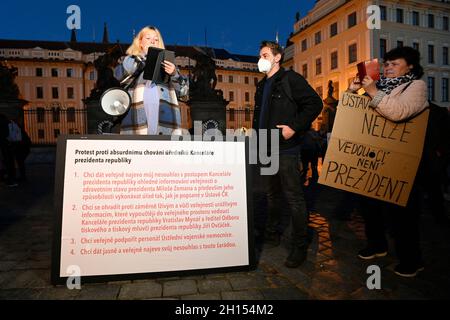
[370, 155]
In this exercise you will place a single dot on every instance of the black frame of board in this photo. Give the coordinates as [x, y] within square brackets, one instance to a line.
[58, 198]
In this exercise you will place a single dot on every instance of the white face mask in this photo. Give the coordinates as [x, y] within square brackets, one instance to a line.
[264, 65]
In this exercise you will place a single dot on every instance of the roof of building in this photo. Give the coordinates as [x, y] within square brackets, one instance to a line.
[91, 47]
[246, 58]
[84, 47]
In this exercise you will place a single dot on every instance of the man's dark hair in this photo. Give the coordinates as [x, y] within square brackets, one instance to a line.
[411, 56]
[274, 47]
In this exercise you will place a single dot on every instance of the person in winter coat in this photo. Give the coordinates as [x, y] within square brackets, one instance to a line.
[149, 98]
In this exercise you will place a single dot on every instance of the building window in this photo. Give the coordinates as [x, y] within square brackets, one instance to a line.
[304, 45]
[40, 115]
[333, 29]
[247, 97]
[54, 72]
[71, 115]
[56, 133]
[430, 20]
[318, 38]
[246, 81]
[39, 93]
[383, 13]
[430, 53]
[399, 44]
[445, 23]
[415, 18]
[399, 15]
[70, 93]
[92, 75]
[445, 56]
[231, 114]
[255, 81]
[69, 73]
[352, 53]
[39, 72]
[56, 115]
[383, 48]
[247, 114]
[230, 79]
[305, 71]
[444, 89]
[334, 60]
[318, 66]
[41, 134]
[416, 46]
[319, 91]
[351, 20]
[55, 93]
[431, 88]
[220, 78]
[231, 96]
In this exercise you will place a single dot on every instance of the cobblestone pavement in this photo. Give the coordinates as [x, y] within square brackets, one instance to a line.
[331, 271]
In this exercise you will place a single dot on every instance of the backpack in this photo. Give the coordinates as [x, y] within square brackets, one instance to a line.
[15, 134]
[436, 146]
[437, 138]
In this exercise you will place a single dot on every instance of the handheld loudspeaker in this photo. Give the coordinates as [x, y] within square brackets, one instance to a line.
[115, 101]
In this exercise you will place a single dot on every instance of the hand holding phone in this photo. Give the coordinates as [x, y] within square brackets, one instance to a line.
[368, 68]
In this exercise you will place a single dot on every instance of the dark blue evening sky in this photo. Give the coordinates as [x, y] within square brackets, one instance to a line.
[235, 25]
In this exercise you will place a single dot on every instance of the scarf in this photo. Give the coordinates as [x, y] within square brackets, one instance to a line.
[388, 84]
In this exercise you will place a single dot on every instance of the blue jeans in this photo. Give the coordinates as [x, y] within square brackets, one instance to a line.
[287, 182]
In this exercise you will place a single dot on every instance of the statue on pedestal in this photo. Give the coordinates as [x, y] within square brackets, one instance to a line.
[105, 65]
[204, 80]
[329, 111]
[97, 120]
[11, 105]
[8, 88]
[207, 104]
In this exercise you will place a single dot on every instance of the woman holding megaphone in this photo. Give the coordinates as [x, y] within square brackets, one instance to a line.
[146, 96]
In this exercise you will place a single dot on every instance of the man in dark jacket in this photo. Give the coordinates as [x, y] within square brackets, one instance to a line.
[285, 102]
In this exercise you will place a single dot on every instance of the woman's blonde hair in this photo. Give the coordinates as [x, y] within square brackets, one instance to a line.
[135, 48]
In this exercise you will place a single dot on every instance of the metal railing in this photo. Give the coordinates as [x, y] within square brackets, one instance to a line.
[238, 118]
[45, 125]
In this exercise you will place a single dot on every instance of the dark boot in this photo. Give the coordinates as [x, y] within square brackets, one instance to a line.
[296, 257]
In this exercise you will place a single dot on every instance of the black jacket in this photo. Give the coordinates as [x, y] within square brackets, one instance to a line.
[296, 109]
